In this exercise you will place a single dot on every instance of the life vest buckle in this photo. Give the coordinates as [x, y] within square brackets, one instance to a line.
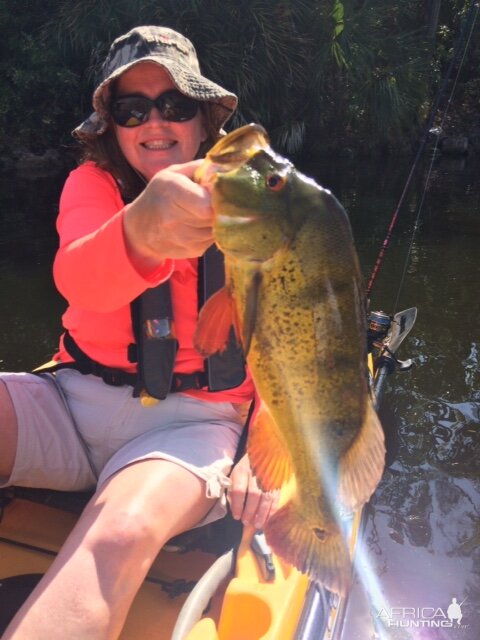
[184, 381]
[113, 377]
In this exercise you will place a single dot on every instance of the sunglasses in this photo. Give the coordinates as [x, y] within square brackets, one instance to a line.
[134, 110]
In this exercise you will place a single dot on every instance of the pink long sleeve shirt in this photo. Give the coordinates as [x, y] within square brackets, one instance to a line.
[92, 270]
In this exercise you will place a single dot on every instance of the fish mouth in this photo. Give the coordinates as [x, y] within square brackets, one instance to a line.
[231, 152]
[239, 146]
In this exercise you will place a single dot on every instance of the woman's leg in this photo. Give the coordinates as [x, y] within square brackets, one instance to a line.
[88, 590]
[8, 433]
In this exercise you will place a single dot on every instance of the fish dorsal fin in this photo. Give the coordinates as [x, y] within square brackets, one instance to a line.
[251, 309]
[268, 455]
[361, 467]
[216, 318]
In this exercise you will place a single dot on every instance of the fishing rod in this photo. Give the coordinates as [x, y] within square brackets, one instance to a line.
[385, 329]
[467, 25]
[379, 323]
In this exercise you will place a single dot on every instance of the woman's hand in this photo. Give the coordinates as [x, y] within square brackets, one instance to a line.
[247, 502]
[171, 218]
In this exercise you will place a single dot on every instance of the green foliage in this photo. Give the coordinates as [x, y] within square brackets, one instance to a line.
[318, 74]
[372, 90]
[38, 91]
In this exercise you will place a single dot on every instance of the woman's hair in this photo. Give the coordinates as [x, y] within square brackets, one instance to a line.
[105, 151]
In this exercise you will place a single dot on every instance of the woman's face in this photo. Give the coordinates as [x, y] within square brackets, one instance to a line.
[157, 143]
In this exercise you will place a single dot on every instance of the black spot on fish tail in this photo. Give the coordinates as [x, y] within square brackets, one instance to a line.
[339, 427]
[321, 534]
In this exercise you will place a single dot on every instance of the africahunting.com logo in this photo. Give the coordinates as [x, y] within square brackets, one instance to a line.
[429, 617]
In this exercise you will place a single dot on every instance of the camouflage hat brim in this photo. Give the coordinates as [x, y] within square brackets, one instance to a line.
[221, 102]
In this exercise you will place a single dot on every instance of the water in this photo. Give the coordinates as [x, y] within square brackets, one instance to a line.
[422, 529]
[31, 307]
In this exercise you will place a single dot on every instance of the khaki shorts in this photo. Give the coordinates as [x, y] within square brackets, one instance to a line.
[74, 432]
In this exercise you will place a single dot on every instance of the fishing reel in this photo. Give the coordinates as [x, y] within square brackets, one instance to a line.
[378, 325]
[383, 333]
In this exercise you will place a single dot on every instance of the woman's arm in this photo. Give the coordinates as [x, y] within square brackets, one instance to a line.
[109, 253]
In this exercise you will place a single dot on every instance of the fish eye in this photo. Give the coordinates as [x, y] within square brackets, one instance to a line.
[275, 181]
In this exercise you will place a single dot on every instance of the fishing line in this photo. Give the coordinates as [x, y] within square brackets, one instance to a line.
[430, 168]
[469, 22]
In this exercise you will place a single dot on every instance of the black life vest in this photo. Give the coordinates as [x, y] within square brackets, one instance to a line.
[155, 346]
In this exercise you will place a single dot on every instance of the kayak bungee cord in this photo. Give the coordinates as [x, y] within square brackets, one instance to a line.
[468, 25]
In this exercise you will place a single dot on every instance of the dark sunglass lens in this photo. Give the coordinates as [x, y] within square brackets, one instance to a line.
[131, 111]
[176, 107]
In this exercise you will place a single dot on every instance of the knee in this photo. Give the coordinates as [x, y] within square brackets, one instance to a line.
[125, 533]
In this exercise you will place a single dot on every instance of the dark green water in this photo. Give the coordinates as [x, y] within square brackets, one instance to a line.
[422, 532]
[423, 527]
[31, 308]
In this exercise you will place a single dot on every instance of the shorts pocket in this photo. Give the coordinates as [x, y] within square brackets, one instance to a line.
[95, 406]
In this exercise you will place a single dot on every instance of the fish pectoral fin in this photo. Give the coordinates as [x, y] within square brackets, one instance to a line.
[215, 320]
[362, 466]
[311, 546]
[268, 456]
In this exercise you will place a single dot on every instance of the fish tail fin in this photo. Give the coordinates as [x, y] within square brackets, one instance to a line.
[215, 321]
[362, 466]
[313, 547]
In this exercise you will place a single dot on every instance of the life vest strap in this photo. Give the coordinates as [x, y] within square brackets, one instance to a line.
[117, 377]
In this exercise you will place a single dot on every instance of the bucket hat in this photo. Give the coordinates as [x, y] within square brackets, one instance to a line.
[174, 53]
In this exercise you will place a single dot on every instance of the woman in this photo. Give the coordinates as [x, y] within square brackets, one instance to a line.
[131, 218]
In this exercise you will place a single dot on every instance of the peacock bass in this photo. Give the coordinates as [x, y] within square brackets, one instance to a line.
[295, 297]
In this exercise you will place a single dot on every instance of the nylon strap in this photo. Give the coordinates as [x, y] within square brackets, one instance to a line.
[224, 370]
